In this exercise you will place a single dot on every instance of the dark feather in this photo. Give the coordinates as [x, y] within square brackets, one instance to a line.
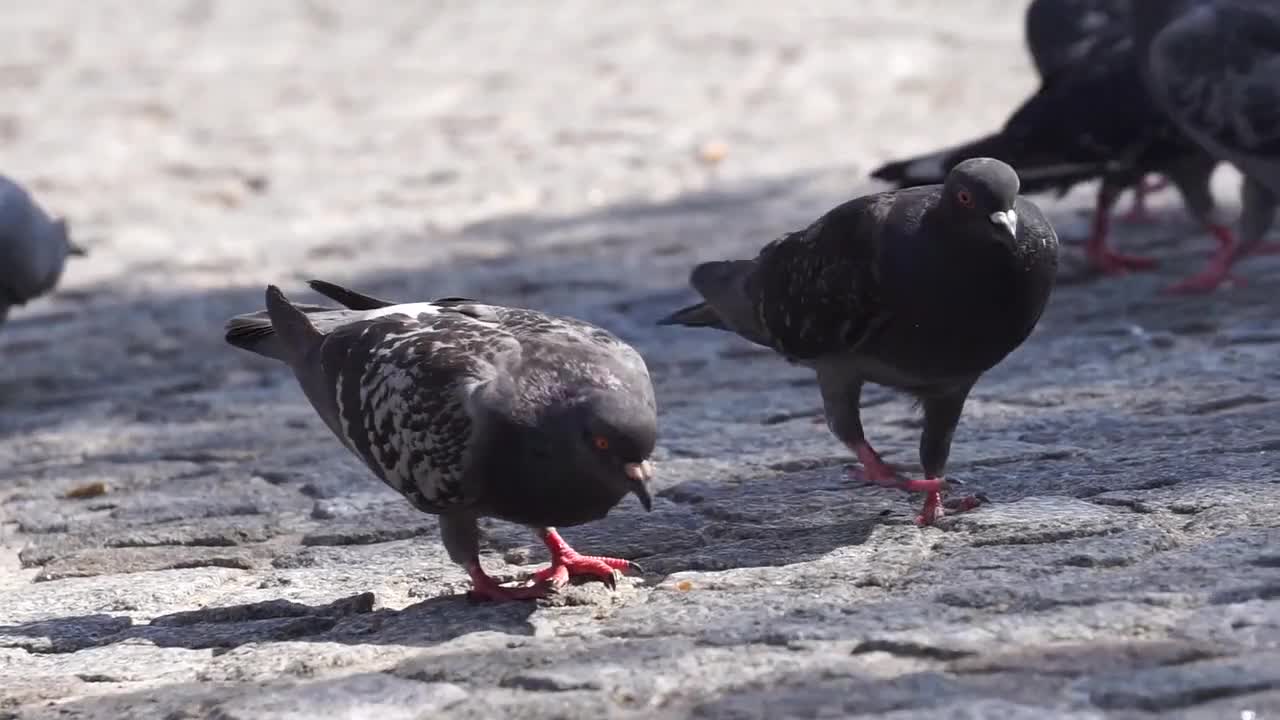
[346, 297]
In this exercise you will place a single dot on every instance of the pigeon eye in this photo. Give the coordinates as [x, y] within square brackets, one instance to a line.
[964, 198]
[601, 442]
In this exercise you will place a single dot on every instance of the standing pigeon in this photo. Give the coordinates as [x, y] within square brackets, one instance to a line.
[1061, 33]
[33, 247]
[922, 290]
[1091, 118]
[471, 410]
[1214, 66]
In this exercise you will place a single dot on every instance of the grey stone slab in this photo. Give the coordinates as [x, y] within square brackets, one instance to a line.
[240, 563]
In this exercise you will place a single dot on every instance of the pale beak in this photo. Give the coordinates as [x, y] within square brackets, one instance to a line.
[638, 476]
[1007, 218]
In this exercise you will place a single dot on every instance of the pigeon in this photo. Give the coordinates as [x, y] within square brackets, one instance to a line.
[921, 290]
[471, 410]
[33, 247]
[1060, 33]
[1091, 118]
[1214, 67]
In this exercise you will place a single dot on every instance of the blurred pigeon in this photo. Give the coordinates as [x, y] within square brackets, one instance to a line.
[1060, 33]
[1214, 66]
[33, 247]
[1091, 118]
[922, 290]
[471, 410]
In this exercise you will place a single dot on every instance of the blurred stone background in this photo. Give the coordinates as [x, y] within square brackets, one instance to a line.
[222, 557]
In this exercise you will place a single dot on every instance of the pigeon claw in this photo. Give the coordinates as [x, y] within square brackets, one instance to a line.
[486, 589]
[874, 470]
[1207, 280]
[566, 568]
[935, 508]
[1110, 262]
[567, 563]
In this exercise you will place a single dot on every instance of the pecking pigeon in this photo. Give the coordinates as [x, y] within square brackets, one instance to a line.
[1091, 118]
[922, 290]
[33, 247]
[1214, 66]
[471, 410]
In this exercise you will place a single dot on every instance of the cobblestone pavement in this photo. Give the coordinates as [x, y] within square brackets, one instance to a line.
[579, 157]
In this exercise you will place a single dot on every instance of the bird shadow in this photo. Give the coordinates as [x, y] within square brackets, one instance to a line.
[349, 620]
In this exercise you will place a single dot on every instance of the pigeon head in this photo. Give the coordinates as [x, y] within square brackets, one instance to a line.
[981, 193]
[575, 458]
[614, 435]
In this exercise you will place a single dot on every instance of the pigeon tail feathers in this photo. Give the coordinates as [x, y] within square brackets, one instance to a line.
[296, 332]
[347, 297]
[699, 315]
[932, 168]
[1037, 174]
[281, 332]
[728, 305]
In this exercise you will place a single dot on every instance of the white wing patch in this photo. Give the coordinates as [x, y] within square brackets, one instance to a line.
[410, 309]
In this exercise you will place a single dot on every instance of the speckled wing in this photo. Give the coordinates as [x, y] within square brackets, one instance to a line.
[1217, 70]
[561, 357]
[402, 380]
[814, 291]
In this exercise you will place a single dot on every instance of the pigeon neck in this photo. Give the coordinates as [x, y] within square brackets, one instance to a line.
[1149, 17]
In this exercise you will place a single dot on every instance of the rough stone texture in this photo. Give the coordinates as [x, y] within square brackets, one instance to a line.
[182, 538]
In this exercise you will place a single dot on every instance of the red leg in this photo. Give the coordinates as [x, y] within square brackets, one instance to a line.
[879, 473]
[486, 588]
[1138, 213]
[875, 470]
[1217, 272]
[567, 562]
[1102, 257]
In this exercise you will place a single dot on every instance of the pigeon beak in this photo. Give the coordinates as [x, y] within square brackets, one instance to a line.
[638, 477]
[76, 250]
[1007, 218]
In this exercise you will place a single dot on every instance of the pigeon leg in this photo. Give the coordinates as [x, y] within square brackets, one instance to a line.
[461, 538]
[1138, 212]
[1102, 257]
[485, 588]
[941, 415]
[841, 400]
[567, 562]
[1258, 213]
[1217, 272]
[875, 470]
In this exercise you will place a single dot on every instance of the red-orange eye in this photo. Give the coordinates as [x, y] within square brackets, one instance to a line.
[964, 198]
[602, 443]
